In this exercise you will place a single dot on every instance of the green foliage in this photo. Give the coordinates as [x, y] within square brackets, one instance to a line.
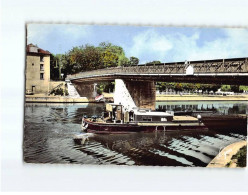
[123, 60]
[133, 61]
[66, 92]
[154, 62]
[162, 86]
[110, 59]
[233, 88]
[178, 87]
[229, 164]
[113, 55]
[241, 157]
[243, 88]
[85, 58]
[105, 87]
[58, 91]
[225, 88]
[99, 90]
[54, 68]
[88, 57]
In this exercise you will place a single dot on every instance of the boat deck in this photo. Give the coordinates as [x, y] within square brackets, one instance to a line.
[177, 120]
[184, 118]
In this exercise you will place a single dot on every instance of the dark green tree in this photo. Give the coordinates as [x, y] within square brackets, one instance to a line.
[235, 88]
[133, 61]
[154, 62]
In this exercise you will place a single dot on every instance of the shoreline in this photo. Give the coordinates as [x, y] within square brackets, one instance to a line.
[161, 98]
[39, 98]
[225, 155]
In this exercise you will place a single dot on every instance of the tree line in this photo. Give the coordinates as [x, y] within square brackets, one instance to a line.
[88, 57]
[204, 88]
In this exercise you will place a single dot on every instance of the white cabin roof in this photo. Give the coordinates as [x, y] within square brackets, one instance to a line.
[150, 113]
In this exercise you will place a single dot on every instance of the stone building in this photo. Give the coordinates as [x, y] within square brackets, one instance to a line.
[38, 72]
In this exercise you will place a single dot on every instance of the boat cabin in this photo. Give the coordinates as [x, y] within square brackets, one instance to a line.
[117, 114]
[152, 116]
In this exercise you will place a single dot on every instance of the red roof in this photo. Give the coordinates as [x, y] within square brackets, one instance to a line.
[40, 51]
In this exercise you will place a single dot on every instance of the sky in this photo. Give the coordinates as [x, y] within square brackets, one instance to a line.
[166, 44]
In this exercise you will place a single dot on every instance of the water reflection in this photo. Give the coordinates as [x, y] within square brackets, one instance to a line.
[49, 129]
[224, 107]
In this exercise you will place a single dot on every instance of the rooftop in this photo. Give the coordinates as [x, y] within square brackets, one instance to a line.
[31, 48]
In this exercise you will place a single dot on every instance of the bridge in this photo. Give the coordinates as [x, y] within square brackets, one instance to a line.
[140, 80]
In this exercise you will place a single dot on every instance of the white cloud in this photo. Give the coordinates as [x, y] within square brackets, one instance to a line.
[151, 45]
[57, 35]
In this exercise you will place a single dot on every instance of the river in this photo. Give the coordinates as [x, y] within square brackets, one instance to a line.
[49, 131]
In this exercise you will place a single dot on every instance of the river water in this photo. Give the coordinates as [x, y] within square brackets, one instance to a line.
[49, 131]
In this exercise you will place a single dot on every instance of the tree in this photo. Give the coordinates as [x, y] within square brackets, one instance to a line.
[243, 88]
[54, 69]
[154, 62]
[235, 88]
[88, 57]
[110, 59]
[178, 87]
[83, 58]
[133, 61]
[225, 88]
[114, 55]
[215, 87]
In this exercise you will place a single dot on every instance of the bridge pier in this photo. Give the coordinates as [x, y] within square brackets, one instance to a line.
[143, 93]
[86, 90]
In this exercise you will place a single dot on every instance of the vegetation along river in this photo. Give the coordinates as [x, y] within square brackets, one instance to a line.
[49, 131]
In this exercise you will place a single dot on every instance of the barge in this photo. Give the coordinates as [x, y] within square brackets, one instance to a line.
[117, 119]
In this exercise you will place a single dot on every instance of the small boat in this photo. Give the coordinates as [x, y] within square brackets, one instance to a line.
[116, 119]
[82, 137]
[99, 98]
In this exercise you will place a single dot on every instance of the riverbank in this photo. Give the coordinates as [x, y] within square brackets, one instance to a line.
[224, 158]
[159, 98]
[163, 98]
[54, 99]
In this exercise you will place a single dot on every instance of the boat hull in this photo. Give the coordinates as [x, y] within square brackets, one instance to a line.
[106, 128]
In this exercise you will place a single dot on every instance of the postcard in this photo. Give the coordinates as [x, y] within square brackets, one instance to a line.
[136, 95]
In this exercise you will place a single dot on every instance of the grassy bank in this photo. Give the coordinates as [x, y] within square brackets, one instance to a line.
[239, 159]
[233, 155]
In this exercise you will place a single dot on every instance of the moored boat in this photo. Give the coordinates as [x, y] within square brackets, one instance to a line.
[117, 119]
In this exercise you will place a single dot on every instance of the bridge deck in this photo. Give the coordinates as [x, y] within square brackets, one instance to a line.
[229, 71]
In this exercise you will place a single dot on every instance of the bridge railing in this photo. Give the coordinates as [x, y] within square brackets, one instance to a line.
[218, 66]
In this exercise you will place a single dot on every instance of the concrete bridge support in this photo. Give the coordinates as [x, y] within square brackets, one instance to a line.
[86, 90]
[143, 93]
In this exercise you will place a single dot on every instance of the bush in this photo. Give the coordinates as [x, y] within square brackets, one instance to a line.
[241, 157]
[66, 92]
[58, 91]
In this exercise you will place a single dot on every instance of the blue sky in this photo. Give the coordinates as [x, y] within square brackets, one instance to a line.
[167, 44]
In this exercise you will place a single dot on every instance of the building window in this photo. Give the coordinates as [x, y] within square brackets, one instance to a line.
[33, 88]
[41, 76]
[42, 67]
[42, 58]
[147, 118]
